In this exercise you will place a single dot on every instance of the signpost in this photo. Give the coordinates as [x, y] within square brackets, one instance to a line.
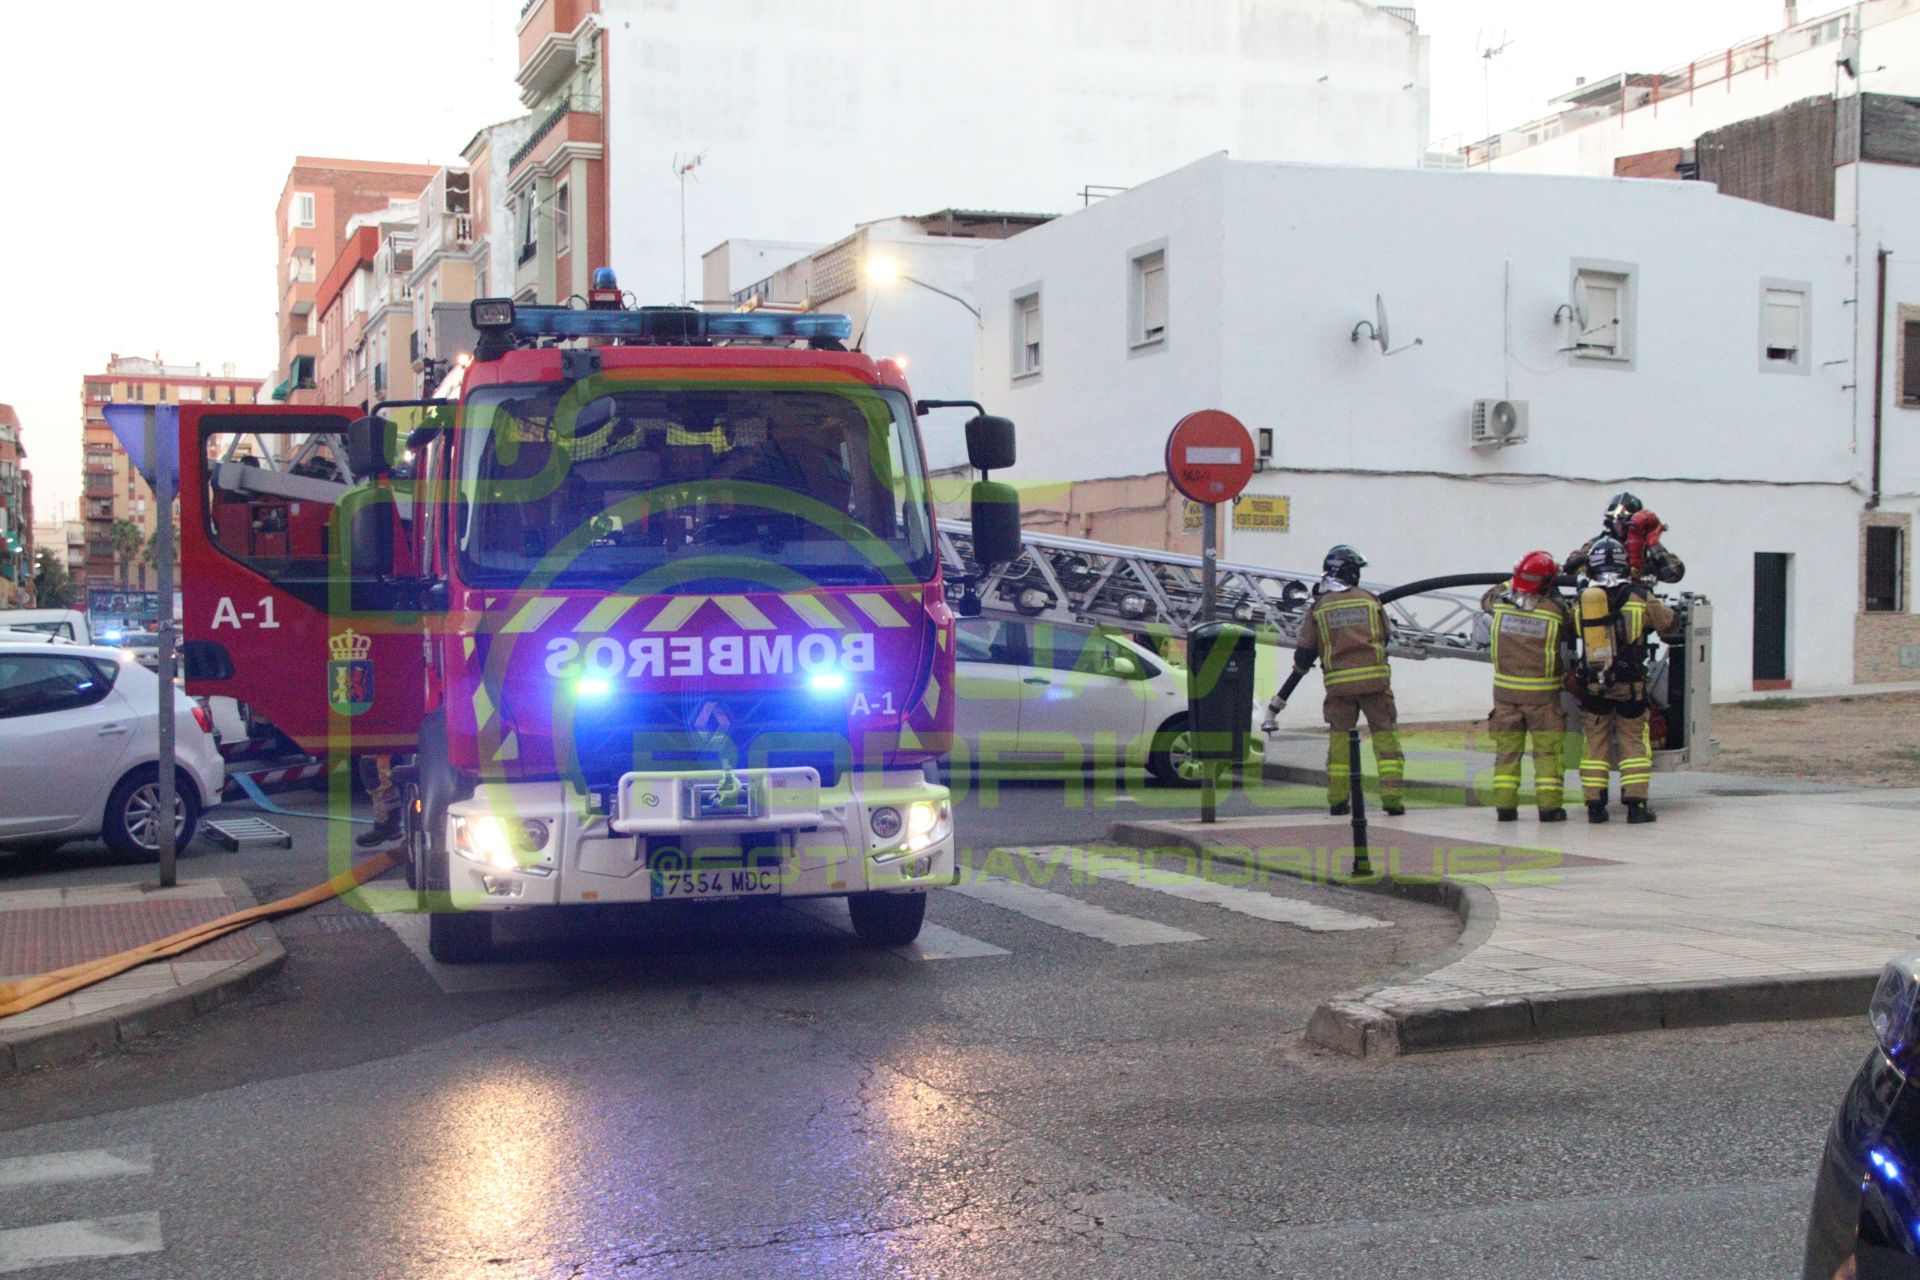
[1209, 460]
[163, 561]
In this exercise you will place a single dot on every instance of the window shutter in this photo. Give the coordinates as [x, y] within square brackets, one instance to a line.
[1153, 297]
[1883, 569]
[1783, 323]
[1602, 332]
[1032, 322]
[1910, 363]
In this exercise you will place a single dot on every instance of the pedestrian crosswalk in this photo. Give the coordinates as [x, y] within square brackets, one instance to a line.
[45, 1244]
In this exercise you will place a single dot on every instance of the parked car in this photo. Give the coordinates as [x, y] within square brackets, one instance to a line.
[1866, 1202]
[1034, 691]
[67, 624]
[80, 745]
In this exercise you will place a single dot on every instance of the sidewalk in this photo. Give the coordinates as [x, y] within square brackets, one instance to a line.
[46, 929]
[1730, 909]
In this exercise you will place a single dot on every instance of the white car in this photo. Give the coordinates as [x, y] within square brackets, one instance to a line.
[79, 747]
[68, 624]
[1034, 691]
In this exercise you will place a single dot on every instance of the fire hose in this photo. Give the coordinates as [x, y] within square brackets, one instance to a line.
[30, 993]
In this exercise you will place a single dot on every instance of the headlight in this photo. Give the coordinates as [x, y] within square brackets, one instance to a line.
[483, 839]
[885, 822]
[533, 836]
[928, 822]
[1895, 1012]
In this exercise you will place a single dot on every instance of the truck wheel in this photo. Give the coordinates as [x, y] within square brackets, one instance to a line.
[460, 937]
[413, 835]
[887, 919]
[1172, 745]
[131, 826]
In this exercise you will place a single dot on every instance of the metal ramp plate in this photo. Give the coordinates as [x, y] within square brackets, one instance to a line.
[231, 833]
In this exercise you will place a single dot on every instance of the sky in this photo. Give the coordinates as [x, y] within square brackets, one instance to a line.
[151, 141]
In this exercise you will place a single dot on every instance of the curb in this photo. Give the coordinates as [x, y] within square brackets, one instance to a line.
[1463, 794]
[113, 1029]
[1350, 1024]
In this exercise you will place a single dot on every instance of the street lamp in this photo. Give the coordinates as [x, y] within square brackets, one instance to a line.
[883, 273]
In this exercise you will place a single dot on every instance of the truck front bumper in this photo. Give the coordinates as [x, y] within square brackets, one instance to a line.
[524, 844]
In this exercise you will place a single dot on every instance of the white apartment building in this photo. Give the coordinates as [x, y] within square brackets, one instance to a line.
[1713, 376]
[907, 285]
[809, 119]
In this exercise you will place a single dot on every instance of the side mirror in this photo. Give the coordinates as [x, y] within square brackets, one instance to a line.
[205, 660]
[989, 442]
[370, 552]
[996, 523]
[1123, 667]
[369, 447]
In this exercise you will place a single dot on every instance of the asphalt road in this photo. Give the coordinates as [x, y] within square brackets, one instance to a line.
[1072, 1078]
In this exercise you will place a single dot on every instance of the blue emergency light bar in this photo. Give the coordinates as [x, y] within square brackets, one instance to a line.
[657, 325]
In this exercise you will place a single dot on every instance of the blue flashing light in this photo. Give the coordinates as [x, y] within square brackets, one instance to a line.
[592, 687]
[826, 682]
[111, 636]
[674, 325]
[603, 278]
[1889, 1167]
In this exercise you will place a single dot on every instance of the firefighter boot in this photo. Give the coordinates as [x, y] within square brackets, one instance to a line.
[1638, 812]
[1340, 810]
[385, 831]
[1507, 815]
[1555, 814]
[1596, 811]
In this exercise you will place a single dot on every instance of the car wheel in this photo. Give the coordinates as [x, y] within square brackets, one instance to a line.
[132, 824]
[413, 835]
[453, 937]
[1172, 748]
[886, 919]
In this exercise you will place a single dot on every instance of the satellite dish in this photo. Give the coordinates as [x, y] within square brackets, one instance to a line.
[1582, 313]
[1380, 321]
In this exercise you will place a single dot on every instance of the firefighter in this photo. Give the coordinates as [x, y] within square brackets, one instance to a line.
[1627, 520]
[1615, 615]
[1530, 628]
[1346, 630]
[386, 806]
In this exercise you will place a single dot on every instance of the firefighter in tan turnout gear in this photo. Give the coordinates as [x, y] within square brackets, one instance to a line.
[1346, 630]
[1530, 628]
[1615, 614]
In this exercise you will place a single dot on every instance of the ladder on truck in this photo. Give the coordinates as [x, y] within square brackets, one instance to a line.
[1079, 583]
[1073, 582]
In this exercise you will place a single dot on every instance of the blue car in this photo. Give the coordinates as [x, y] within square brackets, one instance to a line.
[1866, 1206]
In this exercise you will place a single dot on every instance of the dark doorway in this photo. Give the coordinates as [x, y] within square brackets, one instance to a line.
[1770, 619]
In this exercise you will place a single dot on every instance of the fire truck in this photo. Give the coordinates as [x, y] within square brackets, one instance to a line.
[656, 608]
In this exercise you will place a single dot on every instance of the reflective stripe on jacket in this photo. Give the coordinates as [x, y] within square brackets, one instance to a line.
[1348, 629]
[1526, 646]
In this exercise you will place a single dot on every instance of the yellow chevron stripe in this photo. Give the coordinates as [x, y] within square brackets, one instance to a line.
[744, 613]
[931, 699]
[510, 749]
[607, 612]
[878, 608]
[466, 646]
[814, 612]
[943, 637]
[675, 615]
[909, 740]
[482, 706]
[532, 616]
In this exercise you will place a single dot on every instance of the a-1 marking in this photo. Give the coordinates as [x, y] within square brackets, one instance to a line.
[225, 615]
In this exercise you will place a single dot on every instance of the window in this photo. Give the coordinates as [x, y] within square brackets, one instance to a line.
[1784, 326]
[300, 210]
[1886, 545]
[528, 225]
[562, 218]
[1001, 642]
[35, 684]
[1601, 315]
[1910, 363]
[136, 391]
[190, 394]
[99, 391]
[1026, 334]
[1147, 299]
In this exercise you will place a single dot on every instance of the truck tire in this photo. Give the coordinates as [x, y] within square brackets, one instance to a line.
[887, 919]
[453, 937]
[130, 825]
[1171, 745]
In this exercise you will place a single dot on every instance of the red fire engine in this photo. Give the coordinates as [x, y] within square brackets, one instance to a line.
[656, 605]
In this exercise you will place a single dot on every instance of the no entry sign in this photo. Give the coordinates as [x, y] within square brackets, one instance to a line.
[1210, 456]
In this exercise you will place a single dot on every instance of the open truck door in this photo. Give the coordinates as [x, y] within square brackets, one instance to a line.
[291, 592]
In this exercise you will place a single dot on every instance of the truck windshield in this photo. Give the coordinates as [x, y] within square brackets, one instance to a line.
[692, 483]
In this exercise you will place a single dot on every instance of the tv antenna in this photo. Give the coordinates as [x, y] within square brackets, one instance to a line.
[1487, 54]
[683, 169]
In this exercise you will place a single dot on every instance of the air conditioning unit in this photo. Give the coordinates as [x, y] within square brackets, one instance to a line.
[1498, 423]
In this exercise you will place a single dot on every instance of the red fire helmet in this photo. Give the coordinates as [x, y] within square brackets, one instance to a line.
[1536, 570]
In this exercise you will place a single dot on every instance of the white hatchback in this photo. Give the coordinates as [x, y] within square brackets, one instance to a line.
[80, 745]
[1033, 691]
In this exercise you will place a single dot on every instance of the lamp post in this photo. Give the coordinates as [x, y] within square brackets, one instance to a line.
[883, 273]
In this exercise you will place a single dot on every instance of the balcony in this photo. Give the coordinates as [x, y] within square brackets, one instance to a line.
[552, 40]
[571, 121]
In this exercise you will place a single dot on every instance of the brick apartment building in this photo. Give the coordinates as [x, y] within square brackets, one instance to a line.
[111, 490]
[16, 515]
[317, 201]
